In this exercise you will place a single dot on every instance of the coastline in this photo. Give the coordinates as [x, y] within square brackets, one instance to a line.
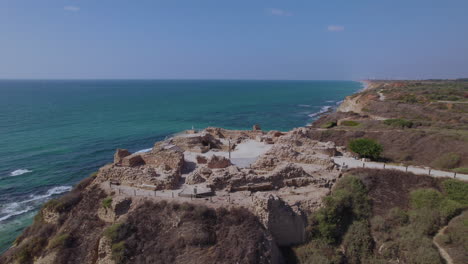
[326, 110]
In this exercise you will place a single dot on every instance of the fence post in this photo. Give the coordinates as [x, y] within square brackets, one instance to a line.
[454, 175]
[384, 165]
[134, 192]
[363, 165]
[429, 172]
[406, 169]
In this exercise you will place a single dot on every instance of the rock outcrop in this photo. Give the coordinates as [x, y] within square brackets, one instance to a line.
[285, 223]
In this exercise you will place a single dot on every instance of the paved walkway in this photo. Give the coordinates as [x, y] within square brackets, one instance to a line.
[354, 163]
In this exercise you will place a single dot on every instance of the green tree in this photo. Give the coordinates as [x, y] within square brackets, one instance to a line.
[366, 148]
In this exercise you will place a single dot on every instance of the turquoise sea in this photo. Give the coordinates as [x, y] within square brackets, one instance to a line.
[55, 133]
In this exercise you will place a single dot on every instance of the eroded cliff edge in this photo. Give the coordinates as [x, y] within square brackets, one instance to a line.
[227, 196]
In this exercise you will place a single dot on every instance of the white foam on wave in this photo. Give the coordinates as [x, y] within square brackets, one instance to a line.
[19, 172]
[330, 101]
[144, 150]
[339, 102]
[303, 105]
[21, 207]
[324, 109]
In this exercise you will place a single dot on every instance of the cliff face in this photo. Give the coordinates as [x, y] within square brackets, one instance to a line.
[185, 201]
[85, 226]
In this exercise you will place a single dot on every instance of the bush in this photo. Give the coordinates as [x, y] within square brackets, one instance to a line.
[447, 161]
[318, 252]
[106, 203]
[456, 190]
[425, 198]
[409, 98]
[117, 232]
[348, 202]
[119, 252]
[366, 148]
[349, 123]
[402, 123]
[358, 242]
[60, 241]
[329, 124]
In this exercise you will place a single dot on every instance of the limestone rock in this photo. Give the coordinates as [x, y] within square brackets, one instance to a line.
[120, 154]
[256, 127]
[201, 159]
[198, 176]
[133, 161]
[218, 162]
[104, 255]
[285, 223]
[169, 158]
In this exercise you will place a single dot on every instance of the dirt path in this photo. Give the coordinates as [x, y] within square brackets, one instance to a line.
[443, 253]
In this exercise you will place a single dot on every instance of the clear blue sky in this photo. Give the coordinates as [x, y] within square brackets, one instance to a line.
[233, 39]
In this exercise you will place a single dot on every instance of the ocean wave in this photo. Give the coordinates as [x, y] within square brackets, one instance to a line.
[339, 102]
[19, 172]
[330, 101]
[49, 193]
[324, 109]
[303, 105]
[14, 209]
[17, 208]
[144, 150]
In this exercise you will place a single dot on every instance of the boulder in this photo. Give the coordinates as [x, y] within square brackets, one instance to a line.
[256, 127]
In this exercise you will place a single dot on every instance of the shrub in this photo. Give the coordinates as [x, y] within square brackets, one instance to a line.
[409, 98]
[106, 203]
[329, 124]
[447, 161]
[119, 252]
[318, 252]
[117, 232]
[424, 221]
[349, 123]
[425, 198]
[358, 242]
[348, 202]
[366, 148]
[60, 241]
[397, 217]
[456, 190]
[449, 208]
[402, 123]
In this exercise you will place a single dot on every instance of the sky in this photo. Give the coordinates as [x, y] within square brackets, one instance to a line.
[233, 39]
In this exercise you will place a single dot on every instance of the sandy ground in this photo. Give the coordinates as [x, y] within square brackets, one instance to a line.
[245, 153]
[354, 163]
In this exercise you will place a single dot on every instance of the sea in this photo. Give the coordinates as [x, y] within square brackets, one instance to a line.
[54, 133]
